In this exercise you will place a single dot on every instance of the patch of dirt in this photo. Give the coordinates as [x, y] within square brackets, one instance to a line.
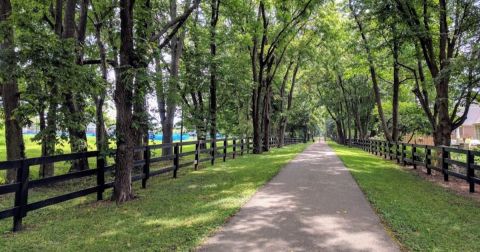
[459, 186]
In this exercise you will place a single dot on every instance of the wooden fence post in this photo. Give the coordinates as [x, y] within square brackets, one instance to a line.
[414, 151]
[234, 147]
[385, 149]
[397, 153]
[428, 160]
[146, 166]
[404, 150]
[445, 155]
[21, 195]
[390, 151]
[197, 150]
[242, 143]
[225, 144]
[176, 160]
[100, 176]
[470, 171]
[248, 145]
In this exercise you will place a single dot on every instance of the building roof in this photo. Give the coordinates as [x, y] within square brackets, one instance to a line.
[473, 116]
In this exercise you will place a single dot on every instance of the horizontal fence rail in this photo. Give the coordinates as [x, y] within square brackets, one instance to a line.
[450, 161]
[204, 151]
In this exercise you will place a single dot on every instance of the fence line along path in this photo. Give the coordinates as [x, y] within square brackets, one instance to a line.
[460, 163]
[313, 204]
[161, 164]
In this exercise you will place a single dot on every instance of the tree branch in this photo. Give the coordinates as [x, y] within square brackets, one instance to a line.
[177, 22]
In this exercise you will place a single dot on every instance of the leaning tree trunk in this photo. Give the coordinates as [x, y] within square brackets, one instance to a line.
[124, 105]
[13, 130]
[373, 74]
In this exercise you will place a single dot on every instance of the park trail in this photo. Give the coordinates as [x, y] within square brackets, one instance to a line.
[313, 204]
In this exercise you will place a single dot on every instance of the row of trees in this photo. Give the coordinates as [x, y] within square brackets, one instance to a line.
[421, 63]
[231, 66]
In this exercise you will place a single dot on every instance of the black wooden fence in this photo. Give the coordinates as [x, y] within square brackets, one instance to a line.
[171, 163]
[450, 161]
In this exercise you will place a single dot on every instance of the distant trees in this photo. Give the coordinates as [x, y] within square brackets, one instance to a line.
[439, 36]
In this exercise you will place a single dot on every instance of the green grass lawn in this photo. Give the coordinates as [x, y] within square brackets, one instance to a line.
[34, 149]
[423, 216]
[171, 214]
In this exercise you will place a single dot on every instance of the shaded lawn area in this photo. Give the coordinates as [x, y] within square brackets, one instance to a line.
[168, 215]
[423, 216]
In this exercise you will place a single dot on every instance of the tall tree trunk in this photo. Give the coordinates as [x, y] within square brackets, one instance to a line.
[49, 138]
[100, 130]
[444, 125]
[124, 105]
[140, 108]
[266, 118]
[75, 103]
[256, 119]
[215, 4]
[373, 74]
[49, 133]
[46, 170]
[11, 96]
[200, 120]
[396, 85]
[140, 117]
[77, 133]
[258, 66]
[283, 117]
[170, 99]
[340, 132]
[442, 136]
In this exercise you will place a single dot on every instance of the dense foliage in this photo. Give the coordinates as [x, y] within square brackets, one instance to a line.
[134, 68]
[260, 68]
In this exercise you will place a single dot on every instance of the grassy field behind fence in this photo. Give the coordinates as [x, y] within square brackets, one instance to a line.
[33, 149]
[171, 214]
[423, 216]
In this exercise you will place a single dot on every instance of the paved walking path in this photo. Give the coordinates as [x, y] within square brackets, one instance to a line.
[313, 204]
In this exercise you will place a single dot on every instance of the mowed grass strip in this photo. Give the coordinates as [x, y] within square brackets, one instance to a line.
[171, 214]
[423, 216]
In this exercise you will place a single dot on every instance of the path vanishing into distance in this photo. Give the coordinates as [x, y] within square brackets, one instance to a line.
[313, 204]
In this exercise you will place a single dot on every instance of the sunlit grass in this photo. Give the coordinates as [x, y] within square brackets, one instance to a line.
[171, 214]
[422, 215]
